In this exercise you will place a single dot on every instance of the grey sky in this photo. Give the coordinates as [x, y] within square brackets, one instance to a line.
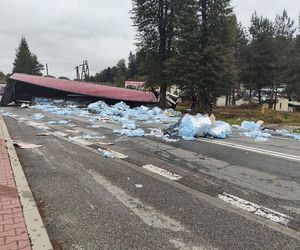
[62, 33]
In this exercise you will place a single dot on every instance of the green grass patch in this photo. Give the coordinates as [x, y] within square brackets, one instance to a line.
[297, 130]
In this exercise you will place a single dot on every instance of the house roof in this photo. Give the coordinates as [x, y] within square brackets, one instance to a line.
[87, 89]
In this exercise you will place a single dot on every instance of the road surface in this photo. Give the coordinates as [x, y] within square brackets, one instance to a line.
[203, 194]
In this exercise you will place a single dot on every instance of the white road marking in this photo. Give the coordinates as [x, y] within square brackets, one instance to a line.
[163, 172]
[33, 124]
[59, 133]
[43, 127]
[83, 142]
[148, 214]
[114, 153]
[252, 149]
[255, 208]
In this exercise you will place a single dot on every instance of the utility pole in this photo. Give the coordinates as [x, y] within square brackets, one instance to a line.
[77, 73]
[85, 72]
[47, 69]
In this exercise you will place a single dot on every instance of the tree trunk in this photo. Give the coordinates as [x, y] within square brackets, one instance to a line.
[162, 94]
[275, 99]
[259, 96]
[227, 100]
[271, 101]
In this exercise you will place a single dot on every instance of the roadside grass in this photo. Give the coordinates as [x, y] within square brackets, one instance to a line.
[297, 130]
[235, 115]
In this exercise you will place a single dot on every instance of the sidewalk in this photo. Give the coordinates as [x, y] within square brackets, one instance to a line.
[20, 224]
[13, 231]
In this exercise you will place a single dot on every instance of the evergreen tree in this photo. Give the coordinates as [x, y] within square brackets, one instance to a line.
[154, 21]
[132, 66]
[293, 72]
[121, 74]
[2, 77]
[204, 41]
[261, 54]
[25, 61]
[283, 42]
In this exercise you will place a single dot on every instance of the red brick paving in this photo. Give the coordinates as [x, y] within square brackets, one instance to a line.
[13, 231]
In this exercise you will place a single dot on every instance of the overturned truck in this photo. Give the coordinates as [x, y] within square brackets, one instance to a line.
[24, 88]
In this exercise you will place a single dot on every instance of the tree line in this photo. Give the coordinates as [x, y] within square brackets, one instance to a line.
[200, 46]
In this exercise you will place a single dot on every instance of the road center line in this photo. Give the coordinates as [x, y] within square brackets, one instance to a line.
[148, 214]
[163, 172]
[251, 149]
[255, 208]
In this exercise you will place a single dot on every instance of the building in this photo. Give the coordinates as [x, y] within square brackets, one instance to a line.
[135, 85]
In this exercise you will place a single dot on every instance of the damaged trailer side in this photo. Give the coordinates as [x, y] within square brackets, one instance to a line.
[23, 88]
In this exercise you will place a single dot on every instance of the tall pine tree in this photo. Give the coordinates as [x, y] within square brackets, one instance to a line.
[260, 55]
[132, 66]
[26, 61]
[154, 21]
[292, 73]
[204, 39]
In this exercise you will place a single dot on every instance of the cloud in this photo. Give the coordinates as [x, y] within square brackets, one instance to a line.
[268, 8]
[63, 33]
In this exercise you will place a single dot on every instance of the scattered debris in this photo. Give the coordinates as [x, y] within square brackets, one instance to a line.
[44, 134]
[250, 125]
[254, 130]
[37, 116]
[3, 113]
[111, 154]
[129, 124]
[24, 145]
[288, 134]
[74, 138]
[95, 126]
[138, 185]
[25, 105]
[106, 153]
[130, 133]
[61, 122]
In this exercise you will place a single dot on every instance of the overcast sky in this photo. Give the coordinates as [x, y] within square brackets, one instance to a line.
[62, 33]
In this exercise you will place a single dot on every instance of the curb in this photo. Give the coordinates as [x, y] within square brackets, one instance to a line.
[35, 226]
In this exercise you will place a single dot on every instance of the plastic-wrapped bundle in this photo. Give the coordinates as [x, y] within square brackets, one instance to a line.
[247, 125]
[121, 106]
[97, 107]
[37, 116]
[129, 124]
[220, 130]
[130, 133]
[256, 133]
[192, 126]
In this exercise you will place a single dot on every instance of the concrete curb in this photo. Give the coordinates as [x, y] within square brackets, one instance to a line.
[35, 226]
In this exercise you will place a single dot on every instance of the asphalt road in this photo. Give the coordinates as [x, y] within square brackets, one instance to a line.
[92, 202]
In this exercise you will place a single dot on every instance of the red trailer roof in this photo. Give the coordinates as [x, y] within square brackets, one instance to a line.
[88, 89]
